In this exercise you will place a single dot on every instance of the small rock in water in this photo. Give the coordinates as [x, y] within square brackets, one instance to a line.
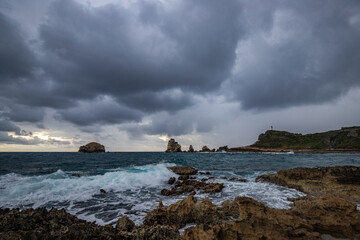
[102, 190]
[238, 179]
[183, 170]
[205, 173]
[76, 175]
[171, 180]
[92, 147]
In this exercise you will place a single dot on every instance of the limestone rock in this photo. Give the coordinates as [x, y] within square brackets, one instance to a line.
[184, 170]
[339, 181]
[171, 180]
[173, 146]
[205, 149]
[125, 224]
[92, 147]
[224, 148]
[189, 186]
[238, 179]
[188, 210]
[191, 148]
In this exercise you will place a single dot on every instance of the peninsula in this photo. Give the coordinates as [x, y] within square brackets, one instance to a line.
[344, 140]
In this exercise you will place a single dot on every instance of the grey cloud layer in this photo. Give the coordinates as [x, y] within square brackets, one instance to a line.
[111, 65]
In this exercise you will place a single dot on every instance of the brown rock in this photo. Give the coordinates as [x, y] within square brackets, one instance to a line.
[238, 179]
[224, 148]
[183, 170]
[171, 180]
[92, 147]
[339, 181]
[191, 148]
[173, 146]
[183, 177]
[125, 224]
[309, 218]
[76, 175]
[190, 185]
[102, 190]
[185, 211]
[205, 149]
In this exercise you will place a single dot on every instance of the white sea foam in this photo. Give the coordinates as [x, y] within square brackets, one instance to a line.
[132, 191]
[20, 190]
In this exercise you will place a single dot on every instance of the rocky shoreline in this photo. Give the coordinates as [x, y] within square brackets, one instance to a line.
[328, 211]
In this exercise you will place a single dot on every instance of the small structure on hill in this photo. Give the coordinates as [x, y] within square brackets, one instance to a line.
[92, 147]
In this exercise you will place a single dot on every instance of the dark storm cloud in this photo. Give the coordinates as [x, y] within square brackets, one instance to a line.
[16, 60]
[103, 110]
[114, 64]
[310, 53]
[7, 126]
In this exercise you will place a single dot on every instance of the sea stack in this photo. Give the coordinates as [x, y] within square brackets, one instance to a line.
[173, 146]
[92, 147]
[191, 149]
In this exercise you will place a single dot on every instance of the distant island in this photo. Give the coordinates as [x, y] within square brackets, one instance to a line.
[344, 140]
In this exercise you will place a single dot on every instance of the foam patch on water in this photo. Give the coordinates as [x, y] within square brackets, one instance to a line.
[60, 189]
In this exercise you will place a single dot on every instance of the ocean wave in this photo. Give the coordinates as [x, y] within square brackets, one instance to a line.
[17, 190]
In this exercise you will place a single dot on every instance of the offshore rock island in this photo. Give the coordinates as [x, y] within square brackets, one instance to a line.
[344, 140]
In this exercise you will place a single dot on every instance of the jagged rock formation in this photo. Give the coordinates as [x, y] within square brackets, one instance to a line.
[339, 181]
[92, 147]
[345, 138]
[190, 185]
[58, 224]
[173, 146]
[206, 149]
[224, 148]
[309, 218]
[191, 149]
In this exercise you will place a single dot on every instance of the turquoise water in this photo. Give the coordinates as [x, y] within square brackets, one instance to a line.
[133, 181]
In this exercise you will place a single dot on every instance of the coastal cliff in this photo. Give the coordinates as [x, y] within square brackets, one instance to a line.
[347, 138]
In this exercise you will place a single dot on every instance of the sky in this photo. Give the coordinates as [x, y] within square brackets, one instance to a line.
[131, 74]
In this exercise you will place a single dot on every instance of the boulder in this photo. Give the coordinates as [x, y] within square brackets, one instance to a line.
[184, 170]
[238, 179]
[190, 185]
[125, 224]
[173, 146]
[205, 149]
[171, 180]
[92, 147]
[223, 149]
[191, 148]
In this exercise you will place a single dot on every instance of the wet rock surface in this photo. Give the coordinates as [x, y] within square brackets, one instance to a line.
[326, 214]
[92, 147]
[184, 170]
[58, 224]
[338, 181]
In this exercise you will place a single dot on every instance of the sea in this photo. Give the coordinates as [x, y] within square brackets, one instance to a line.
[133, 180]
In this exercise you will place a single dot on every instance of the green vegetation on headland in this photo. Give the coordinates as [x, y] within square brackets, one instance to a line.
[347, 138]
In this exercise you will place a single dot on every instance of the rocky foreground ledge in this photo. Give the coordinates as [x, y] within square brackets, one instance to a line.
[316, 216]
[343, 182]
